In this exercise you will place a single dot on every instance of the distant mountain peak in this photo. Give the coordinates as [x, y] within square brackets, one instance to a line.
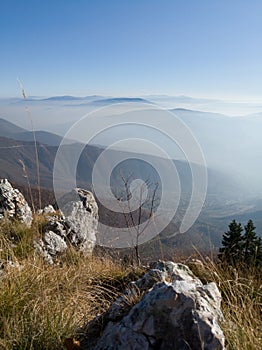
[121, 100]
[62, 98]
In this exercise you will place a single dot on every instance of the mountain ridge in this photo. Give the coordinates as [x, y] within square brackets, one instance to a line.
[11, 130]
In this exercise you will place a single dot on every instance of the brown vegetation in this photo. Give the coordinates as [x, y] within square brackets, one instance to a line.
[42, 305]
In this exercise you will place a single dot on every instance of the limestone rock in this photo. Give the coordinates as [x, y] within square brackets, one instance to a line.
[176, 312]
[13, 203]
[52, 245]
[81, 215]
[49, 209]
[77, 225]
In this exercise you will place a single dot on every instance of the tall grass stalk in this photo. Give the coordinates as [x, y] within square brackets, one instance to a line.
[28, 184]
[35, 143]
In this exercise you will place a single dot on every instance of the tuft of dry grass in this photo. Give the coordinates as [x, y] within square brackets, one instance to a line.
[241, 291]
[16, 240]
[42, 305]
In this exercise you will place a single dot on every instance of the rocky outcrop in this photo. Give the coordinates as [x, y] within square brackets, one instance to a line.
[76, 224]
[167, 309]
[81, 215]
[54, 237]
[13, 204]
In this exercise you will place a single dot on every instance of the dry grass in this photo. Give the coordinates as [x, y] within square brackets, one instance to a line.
[241, 303]
[41, 305]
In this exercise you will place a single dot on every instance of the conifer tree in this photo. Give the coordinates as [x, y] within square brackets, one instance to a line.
[232, 242]
[259, 253]
[250, 246]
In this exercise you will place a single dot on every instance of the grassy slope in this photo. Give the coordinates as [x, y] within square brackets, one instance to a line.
[41, 305]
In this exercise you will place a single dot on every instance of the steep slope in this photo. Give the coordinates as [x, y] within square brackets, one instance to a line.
[45, 137]
[10, 130]
[17, 162]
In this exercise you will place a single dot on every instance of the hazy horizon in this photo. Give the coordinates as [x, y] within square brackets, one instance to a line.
[200, 49]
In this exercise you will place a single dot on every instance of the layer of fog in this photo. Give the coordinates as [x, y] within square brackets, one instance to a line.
[231, 145]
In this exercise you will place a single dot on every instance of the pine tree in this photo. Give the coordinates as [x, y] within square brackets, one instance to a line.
[251, 243]
[232, 242]
[259, 253]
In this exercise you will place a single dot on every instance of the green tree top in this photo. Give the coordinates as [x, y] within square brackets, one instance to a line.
[238, 248]
[250, 243]
[232, 242]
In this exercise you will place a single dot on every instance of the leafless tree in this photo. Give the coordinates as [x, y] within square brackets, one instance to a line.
[144, 213]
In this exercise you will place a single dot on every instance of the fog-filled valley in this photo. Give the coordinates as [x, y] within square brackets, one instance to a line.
[231, 146]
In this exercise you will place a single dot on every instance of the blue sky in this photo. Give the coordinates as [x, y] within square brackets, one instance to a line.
[208, 48]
